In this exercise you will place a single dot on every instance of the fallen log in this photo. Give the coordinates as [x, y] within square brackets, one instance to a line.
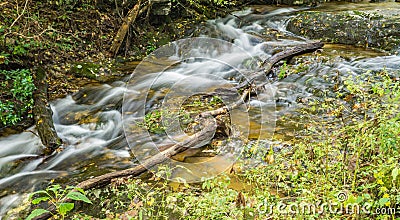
[267, 65]
[43, 114]
[205, 135]
[294, 51]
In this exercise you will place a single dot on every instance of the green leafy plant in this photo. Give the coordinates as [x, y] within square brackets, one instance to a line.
[288, 69]
[223, 2]
[153, 122]
[150, 48]
[283, 71]
[355, 138]
[157, 120]
[215, 100]
[17, 95]
[58, 197]
[4, 58]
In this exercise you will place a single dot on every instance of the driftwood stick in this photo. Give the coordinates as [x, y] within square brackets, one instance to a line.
[294, 51]
[225, 109]
[128, 20]
[206, 134]
[267, 65]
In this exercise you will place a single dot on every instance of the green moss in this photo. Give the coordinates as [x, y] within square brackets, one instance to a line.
[88, 70]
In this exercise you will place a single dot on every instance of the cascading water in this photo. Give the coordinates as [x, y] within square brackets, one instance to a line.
[90, 121]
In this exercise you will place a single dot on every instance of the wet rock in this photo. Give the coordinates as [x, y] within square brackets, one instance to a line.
[375, 28]
[88, 70]
[96, 72]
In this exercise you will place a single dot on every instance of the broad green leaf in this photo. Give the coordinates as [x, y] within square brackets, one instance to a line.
[64, 208]
[80, 190]
[77, 196]
[395, 173]
[55, 189]
[351, 199]
[38, 200]
[367, 196]
[382, 201]
[359, 199]
[75, 188]
[70, 187]
[38, 192]
[36, 213]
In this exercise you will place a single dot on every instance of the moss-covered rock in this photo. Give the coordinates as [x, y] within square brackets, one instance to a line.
[377, 29]
[88, 70]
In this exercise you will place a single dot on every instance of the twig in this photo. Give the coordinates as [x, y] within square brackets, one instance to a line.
[225, 109]
[20, 15]
[116, 8]
[35, 36]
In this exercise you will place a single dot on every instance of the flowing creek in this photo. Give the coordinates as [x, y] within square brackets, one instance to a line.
[90, 121]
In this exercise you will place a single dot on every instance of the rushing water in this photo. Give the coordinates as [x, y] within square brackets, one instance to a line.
[90, 121]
